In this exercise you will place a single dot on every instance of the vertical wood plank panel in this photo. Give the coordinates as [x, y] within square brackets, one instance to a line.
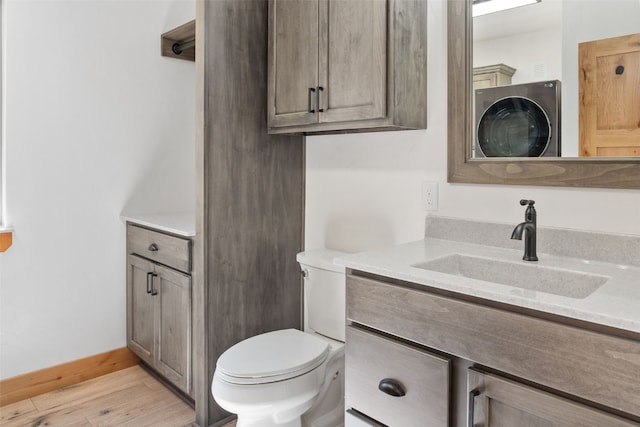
[250, 216]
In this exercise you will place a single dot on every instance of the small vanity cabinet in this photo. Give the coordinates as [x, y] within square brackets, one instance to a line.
[338, 65]
[159, 302]
[509, 367]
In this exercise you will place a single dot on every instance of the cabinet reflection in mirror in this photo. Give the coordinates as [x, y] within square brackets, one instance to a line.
[557, 78]
[540, 74]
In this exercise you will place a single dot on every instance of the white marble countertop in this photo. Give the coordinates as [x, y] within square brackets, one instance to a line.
[615, 303]
[181, 223]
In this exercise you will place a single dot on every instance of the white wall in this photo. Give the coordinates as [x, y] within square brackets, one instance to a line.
[363, 190]
[536, 56]
[96, 121]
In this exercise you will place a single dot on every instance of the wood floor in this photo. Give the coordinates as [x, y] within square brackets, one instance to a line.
[130, 397]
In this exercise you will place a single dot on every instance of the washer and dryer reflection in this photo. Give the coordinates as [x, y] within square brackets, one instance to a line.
[518, 120]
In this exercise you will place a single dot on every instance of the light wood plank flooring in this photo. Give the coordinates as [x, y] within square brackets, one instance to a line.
[130, 397]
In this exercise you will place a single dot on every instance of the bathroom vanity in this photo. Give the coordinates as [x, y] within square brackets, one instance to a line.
[159, 295]
[462, 333]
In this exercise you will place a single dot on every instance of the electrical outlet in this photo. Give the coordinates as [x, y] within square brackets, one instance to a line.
[430, 196]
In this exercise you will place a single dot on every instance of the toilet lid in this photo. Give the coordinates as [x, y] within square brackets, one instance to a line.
[273, 356]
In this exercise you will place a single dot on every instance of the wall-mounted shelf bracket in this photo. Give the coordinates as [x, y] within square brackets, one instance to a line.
[180, 42]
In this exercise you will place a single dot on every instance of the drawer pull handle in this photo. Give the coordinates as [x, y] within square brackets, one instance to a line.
[311, 93]
[150, 282]
[151, 288]
[153, 247]
[319, 100]
[471, 408]
[391, 387]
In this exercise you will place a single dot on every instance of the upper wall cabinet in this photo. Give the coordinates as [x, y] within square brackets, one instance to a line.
[345, 65]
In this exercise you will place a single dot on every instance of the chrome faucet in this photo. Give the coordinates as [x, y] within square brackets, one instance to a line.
[529, 228]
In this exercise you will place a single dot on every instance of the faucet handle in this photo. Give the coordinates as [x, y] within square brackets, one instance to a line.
[524, 202]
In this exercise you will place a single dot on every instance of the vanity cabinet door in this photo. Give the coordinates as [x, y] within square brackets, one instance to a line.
[173, 335]
[498, 402]
[140, 309]
[394, 383]
[159, 319]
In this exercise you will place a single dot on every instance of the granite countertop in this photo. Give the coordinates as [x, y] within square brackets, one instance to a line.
[181, 223]
[615, 303]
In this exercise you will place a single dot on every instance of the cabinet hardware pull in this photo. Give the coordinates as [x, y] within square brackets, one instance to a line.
[471, 406]
[311, 92]
[319, 100]
[153, 285]
[151, 289]
[149, 282]
[391, 387]
[153, 247]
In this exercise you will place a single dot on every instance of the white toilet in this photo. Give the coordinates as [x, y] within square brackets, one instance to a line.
[290, 378]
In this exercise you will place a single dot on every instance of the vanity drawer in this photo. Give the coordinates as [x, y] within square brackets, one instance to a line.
[163, 248]
[373, 362]
[594, 366]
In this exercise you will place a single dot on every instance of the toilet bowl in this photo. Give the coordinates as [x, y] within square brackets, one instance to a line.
[269, 393]
[290, 378]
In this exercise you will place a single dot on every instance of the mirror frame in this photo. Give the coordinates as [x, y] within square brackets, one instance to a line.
[576, 172]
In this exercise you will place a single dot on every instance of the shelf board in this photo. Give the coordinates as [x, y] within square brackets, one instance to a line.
[182, 34]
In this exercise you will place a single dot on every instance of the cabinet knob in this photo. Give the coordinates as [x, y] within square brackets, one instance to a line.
[391, 387]
[153, 247]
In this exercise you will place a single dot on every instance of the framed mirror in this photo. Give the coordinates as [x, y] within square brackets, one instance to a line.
[463, 167]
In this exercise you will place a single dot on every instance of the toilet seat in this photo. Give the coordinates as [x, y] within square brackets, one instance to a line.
[273, 356]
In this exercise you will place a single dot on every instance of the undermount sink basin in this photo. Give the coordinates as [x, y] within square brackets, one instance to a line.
[524, 276]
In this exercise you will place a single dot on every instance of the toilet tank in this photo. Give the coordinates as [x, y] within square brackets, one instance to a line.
[324, 293]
